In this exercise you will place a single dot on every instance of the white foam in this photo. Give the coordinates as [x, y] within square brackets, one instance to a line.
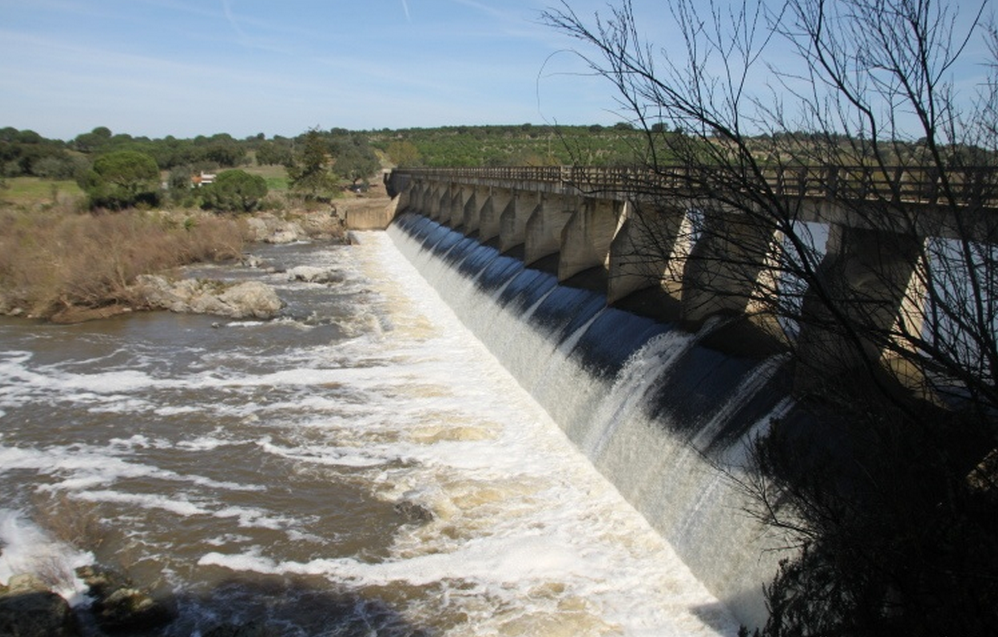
[255, 518]
[204, 443]
[82, 467]
[686, 498]
[412, 408]
[146, 501]
[27, 549]
[329, 456]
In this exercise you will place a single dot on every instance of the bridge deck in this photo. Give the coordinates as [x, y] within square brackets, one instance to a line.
[975, 186]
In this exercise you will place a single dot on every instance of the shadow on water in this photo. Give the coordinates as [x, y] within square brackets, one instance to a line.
[278, 606]
[268, 606]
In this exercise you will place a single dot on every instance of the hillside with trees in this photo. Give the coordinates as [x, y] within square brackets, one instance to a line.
[102, 169]
[146, 196]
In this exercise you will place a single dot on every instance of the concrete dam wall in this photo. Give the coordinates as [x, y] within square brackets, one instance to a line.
[664, 415]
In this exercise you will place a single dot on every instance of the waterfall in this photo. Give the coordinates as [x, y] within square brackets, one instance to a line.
[666, 419]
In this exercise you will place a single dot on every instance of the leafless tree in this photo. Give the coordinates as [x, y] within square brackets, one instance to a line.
[765, 120]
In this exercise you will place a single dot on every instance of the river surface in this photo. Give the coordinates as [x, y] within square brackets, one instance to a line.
[360, 466]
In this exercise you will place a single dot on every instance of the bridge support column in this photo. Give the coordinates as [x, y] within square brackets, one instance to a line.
[459, 197]
[648, 250]
[447, 204]
[491, 213]
[451, 204]
[542, 233]
[415, 196]
[471, 215]
[404, 197]
[513, 221]
[873, 279]
[435, 201]
[586, 239]
[724, 269]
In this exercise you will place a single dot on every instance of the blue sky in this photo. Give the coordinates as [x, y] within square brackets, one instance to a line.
[190, 67]
[193, 67]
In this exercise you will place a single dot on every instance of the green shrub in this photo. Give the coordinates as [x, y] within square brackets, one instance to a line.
[236, 191]
[121, 179]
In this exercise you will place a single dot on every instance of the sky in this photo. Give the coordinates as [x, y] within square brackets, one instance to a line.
[191, 67]
[280, 67]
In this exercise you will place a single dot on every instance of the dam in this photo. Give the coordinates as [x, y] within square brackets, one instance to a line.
[544, 265]
[442, 439]
[666, 418]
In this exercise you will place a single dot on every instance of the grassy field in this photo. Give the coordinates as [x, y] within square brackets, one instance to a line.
[276, 176]
[33, 191]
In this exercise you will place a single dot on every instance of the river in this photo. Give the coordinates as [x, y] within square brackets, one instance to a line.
[361, 465]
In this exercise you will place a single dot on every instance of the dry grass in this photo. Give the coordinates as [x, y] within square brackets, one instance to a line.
[53, 260]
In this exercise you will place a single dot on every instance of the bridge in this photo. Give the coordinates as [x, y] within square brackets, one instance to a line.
[627, 231]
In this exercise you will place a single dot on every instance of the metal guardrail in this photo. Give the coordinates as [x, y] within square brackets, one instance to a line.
[969, 186]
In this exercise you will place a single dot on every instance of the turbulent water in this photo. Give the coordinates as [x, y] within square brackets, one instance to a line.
[361, 466]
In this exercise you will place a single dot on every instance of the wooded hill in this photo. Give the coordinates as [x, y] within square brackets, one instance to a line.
[26, 153]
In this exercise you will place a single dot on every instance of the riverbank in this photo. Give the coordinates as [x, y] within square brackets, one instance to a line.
[62, 266]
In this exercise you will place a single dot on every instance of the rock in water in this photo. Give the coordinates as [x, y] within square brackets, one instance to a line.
[312, 274]
[36, 614]
[414, 512]
[269, 229]
[118, 606]
[251, 299]
[129, 609]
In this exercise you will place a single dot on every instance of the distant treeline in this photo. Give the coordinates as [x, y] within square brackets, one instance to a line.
[27, 153]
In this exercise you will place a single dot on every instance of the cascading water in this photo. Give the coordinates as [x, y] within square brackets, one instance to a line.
[664, 418]
[360, 465]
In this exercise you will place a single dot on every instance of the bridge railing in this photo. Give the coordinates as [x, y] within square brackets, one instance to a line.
[967, 186]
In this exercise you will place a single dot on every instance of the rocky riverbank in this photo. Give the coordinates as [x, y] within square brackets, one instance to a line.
[116, 264]
[28, 608]
[114, 606]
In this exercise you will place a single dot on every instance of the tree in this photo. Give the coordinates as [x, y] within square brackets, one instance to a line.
[121, 179]
[354, 158]
[235, 190]
[273, 154]
[308, 171]
[854, 100]
[93, 141]
[404, 153]
[222, 150]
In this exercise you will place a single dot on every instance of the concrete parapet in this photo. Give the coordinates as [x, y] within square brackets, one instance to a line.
[372, 218]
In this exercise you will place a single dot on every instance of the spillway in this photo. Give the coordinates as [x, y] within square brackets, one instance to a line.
[665, 418]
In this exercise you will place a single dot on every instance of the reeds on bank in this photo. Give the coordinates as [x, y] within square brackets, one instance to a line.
[52, 261]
